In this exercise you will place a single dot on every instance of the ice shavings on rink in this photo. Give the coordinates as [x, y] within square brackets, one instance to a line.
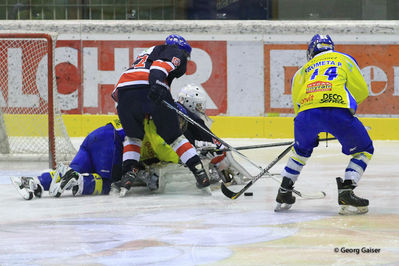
[135, 240]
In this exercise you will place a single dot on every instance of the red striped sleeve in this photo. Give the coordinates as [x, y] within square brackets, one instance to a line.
[162, 64]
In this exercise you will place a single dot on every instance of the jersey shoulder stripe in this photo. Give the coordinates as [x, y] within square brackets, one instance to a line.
[350, 58]
[164, 66]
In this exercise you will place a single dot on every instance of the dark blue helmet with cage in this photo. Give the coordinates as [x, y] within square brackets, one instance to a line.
[178, 40]
[319, 43]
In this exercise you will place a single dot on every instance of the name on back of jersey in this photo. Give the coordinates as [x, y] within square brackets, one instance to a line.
[322, 63]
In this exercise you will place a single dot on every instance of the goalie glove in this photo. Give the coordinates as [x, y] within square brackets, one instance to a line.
[70, 180]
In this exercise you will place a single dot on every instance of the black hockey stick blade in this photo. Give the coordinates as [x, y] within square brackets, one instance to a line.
[233, 195]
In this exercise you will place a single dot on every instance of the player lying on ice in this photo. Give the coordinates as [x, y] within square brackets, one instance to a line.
[98, 162]
[325, 93]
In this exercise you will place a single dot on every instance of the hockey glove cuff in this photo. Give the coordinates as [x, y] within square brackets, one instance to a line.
[157, 93]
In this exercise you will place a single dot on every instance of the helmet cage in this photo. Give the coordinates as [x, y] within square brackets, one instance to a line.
[193, 98]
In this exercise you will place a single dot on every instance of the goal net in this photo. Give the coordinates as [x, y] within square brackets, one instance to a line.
[31, 125]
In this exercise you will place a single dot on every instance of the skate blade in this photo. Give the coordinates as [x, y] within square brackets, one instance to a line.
[352, 210]
[114, 191]
[282, 207]
[206, 191]
[123, 192]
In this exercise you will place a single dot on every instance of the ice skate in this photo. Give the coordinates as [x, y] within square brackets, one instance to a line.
[115, 189]
[153, 182]
[150, 178]
[202, 178]
[27, 187]
[128, 180]
[284, 197]
[350, 203]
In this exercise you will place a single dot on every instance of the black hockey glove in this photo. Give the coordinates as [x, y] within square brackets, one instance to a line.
[157, 93]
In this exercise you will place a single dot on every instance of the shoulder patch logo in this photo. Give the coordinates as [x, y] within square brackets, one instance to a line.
[176, 61]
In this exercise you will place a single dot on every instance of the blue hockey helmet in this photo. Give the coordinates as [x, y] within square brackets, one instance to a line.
[178, 40]
[319, 43]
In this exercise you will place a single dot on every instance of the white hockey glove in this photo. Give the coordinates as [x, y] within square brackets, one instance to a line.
[204, 146]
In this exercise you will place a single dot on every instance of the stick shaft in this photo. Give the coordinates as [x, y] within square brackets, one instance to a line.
[267, 145]
[277, 144]
[193, 122]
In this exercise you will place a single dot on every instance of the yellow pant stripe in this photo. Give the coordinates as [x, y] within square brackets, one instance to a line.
[99, 184]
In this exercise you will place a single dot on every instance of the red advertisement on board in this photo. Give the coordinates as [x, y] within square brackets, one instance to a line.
[87, 71]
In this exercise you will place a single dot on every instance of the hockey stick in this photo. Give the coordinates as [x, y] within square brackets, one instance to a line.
[304, 195]
[193, 122]
[258, 146]
[233, 195]
[228, 192]
[317, 195]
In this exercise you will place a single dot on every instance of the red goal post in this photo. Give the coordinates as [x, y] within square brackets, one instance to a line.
[31, 124]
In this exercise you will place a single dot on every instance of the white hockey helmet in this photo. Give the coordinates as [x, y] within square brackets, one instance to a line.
[193, 98]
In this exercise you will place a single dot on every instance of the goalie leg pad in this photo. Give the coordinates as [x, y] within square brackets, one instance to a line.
[55, 181]
[238, 169]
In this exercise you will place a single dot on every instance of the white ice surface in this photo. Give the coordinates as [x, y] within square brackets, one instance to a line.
[182, 226]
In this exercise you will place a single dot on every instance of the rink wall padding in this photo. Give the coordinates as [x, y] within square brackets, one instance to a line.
[244, 67]
[241, 126]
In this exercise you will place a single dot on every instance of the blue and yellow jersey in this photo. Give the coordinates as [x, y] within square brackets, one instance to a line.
[330, 79]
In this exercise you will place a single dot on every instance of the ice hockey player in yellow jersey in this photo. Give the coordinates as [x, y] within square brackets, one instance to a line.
[326, 92]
